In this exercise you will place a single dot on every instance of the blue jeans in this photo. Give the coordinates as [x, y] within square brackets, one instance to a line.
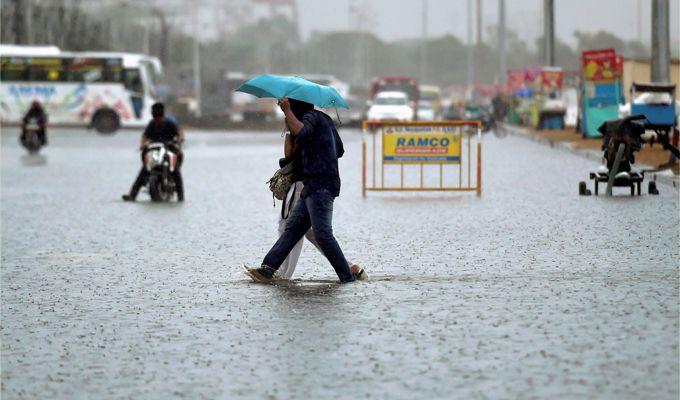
[315, 210]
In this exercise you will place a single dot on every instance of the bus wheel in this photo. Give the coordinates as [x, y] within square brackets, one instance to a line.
[106, 121]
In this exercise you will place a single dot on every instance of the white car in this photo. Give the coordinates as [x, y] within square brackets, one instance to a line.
[426, 112]
[391, 106]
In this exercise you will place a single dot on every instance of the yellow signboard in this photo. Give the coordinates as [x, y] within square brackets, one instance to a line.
[424, 144]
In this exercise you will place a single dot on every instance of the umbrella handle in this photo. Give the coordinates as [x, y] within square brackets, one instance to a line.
[337, 115]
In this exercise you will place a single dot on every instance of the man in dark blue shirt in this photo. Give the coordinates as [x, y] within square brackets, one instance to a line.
[163, 129]
[320, 146]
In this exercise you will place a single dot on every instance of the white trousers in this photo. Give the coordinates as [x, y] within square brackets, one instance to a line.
[288, 266]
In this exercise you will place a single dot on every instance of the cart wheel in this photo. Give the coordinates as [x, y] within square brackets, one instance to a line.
[651, 188]
[582, 189]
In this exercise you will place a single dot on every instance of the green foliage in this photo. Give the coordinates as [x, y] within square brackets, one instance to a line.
[603, 39]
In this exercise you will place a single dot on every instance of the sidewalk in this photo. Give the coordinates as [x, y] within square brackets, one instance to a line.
[567, 139]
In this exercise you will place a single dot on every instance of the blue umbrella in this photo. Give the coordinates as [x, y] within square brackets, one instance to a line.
[293, 87]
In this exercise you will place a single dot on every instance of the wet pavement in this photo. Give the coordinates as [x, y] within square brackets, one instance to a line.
[528, 291]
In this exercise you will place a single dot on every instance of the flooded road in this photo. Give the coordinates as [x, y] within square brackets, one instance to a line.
[527, 291]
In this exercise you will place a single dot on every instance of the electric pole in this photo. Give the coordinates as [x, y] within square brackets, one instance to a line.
[471, 49]
[196, 59]
[423, 40]
[549, 32]
[661, 48]
[479, 23]
[502, 56]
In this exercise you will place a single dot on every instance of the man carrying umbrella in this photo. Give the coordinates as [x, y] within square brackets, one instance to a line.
[320, 146]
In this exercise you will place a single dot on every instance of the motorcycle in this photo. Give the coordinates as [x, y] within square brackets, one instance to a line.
[160, 161]
[488, 122]
[30, 137]
[480, 113]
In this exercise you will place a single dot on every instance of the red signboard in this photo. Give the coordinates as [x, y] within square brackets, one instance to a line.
[551, 78]
[515, 81]
[600, 65]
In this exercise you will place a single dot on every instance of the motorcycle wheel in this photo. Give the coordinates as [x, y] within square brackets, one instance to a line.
[156, 189]
[31, 143]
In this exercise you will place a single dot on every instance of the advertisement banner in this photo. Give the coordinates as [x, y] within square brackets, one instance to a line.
[600, 65]
[551, 78]
[421, 144]
[532, 77]
[570, 79]
[515, 81]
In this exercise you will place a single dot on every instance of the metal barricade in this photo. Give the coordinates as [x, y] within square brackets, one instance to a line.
[447, 145]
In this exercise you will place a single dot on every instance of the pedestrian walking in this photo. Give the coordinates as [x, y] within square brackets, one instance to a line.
[293, 155]
[320, 147]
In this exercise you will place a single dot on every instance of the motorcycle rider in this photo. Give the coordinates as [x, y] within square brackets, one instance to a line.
[163, 130]
[38, 113]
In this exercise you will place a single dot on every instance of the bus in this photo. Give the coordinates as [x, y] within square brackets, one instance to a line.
[100, 90]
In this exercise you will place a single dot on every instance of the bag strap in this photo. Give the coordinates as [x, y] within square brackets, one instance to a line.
[285, 201]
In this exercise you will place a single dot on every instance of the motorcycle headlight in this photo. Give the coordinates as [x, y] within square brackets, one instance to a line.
[155, 158]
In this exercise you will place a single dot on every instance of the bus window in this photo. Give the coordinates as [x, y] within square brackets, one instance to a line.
[86, 70]
[113, 71]
[13, 70]
[45, 70]
[112, 75]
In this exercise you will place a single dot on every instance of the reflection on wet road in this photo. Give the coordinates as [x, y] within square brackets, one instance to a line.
[528, 291]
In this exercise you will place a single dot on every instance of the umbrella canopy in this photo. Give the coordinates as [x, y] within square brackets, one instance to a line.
[293, 87]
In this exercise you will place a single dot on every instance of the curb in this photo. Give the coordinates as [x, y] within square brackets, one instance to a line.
[592, 155]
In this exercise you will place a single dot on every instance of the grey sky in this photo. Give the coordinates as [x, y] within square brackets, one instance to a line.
[397, 19]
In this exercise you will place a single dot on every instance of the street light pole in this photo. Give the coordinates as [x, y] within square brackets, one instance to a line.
[196, 60]
[661, 49]
[549, 32]
[502, 56]
[471, 50]
[479, 23]
[423, 44]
